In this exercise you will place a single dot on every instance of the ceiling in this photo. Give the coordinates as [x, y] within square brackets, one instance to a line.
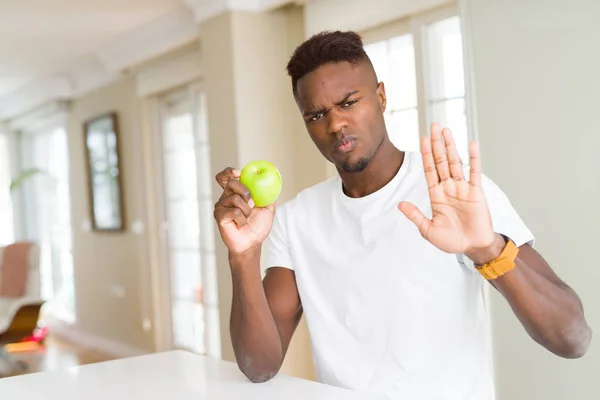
[60, 49]
[43, 37]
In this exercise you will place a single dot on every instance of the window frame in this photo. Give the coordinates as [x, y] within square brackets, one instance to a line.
[416, 25]
[26, 216]
[195, 93]
[8, 137]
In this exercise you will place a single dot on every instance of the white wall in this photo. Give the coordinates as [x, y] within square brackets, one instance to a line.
[244, 126]
[103, 261]
[359, 15]
[537, 82]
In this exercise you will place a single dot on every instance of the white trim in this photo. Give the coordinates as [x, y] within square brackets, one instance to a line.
[386, 31]
[90, 74]
[469, 67]
[77, 336]
[266, 5]
[33, 95]
[173, 30]
[206, 9]
[442, 12]
[421, 72]
[82, 78]
[418, 24]
[18, 199]
[160, 316]
[161, 270]
[473, 132]
[48, 116]
[359, 16]
[164, 75]
[106, 65]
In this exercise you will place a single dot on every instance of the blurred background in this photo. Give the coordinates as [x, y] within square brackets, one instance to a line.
[116, 115]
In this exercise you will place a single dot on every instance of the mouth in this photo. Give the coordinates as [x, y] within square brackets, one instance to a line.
[345, 145]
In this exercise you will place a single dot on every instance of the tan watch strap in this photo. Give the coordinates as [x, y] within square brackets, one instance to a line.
[501, 265]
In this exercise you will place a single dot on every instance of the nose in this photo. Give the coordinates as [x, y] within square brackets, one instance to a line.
[336, 122]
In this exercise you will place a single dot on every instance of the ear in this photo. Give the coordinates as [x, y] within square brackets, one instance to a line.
[381, 95]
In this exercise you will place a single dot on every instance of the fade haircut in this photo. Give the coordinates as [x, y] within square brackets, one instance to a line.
[325, 48]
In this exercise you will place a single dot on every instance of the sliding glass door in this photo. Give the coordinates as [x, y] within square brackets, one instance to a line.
[48, 215]
[188, 242]
[6, 209]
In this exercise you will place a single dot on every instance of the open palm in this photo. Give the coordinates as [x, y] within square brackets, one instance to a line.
[461, 221]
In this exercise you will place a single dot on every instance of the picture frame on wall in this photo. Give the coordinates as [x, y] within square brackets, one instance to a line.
[103, 165]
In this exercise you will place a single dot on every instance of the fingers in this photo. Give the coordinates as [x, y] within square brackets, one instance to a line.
[235, 187]
[236, 201]
[226, 175]
[225, 216]
[453, 158]
[431, 174]
[233, 208]
[439, 152]
[416, 216]
[235, 204]
[475, 178]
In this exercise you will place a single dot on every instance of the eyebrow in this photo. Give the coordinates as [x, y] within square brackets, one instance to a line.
[311, 113]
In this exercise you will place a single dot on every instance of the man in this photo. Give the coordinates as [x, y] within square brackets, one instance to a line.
[388, 260]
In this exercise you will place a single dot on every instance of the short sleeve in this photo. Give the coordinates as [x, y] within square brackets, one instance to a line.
[277, 245]
[505, 219]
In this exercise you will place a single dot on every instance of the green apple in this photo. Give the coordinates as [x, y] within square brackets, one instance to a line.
[263, 180]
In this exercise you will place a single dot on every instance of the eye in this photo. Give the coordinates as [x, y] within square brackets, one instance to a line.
[350, 103]
[316, 117]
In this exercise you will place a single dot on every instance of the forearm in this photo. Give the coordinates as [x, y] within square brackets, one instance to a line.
[549, 310]
[254, 334]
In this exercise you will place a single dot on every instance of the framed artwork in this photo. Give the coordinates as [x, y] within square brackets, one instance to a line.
[101, 137]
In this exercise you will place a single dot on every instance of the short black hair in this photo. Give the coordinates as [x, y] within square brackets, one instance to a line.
[325, 48]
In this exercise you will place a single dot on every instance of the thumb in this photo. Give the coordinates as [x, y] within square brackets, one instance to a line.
[416, 216]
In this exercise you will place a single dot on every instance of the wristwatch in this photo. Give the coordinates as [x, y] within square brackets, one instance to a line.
[501, 265]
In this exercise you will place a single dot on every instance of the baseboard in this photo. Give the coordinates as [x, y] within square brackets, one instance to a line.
[76, 335]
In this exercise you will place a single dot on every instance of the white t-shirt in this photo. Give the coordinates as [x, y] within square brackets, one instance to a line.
[388, 313]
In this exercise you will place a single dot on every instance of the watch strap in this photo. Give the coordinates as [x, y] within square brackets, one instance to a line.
[501, 265]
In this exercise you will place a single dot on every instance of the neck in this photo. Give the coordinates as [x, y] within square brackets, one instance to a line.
[382, 168]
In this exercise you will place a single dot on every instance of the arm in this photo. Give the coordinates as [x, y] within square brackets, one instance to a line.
[263, 316]
[549, 310]
[461, 223]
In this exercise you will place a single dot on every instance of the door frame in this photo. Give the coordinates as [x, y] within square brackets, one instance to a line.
[161, 272]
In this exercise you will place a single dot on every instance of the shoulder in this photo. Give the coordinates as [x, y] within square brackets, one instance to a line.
[310, 198]
[300, 210]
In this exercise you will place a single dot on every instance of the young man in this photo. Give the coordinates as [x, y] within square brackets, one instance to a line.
[388, 260]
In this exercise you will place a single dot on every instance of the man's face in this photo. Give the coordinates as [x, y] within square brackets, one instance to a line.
[342, 106]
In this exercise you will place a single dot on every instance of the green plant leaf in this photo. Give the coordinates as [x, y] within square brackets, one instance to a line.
[23, 177]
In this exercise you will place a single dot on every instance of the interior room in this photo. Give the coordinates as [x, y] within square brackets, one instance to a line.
[116, 116]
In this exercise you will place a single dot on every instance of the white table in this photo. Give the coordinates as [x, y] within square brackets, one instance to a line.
[175, 375]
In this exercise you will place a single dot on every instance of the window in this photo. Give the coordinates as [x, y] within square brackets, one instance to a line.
[446, 97]
[48, 218]
[188, 213]
[421, 65]
[6, 215]
[394, 63]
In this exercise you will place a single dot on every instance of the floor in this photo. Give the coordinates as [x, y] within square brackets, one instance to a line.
[57, 354]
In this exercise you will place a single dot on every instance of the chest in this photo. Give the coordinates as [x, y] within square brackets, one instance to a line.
[378, 253]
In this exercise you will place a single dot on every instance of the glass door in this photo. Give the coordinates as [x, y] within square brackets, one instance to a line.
[48, 216]
[187, 219]
[6, 208]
